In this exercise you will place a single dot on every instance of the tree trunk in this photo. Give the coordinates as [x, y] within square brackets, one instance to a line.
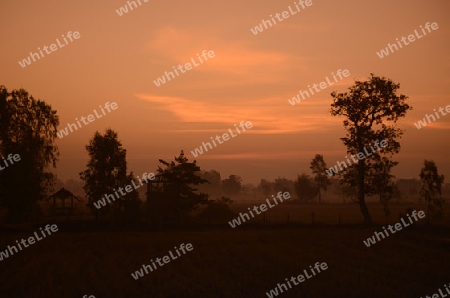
[365, 211]
[361, 199]
[96, 215]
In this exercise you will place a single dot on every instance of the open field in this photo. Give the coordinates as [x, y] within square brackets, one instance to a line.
[81, 259]
[329, 213]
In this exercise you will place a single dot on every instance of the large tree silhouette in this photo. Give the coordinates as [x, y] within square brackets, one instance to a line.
[184, 176]
[27, 128]
[107, 172]
[371, 109]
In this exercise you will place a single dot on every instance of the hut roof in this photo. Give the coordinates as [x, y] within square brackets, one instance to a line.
[63, 194]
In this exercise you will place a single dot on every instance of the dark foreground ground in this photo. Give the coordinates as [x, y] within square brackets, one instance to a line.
[228, 262]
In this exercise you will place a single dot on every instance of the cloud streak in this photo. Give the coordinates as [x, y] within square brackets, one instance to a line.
[266, 119]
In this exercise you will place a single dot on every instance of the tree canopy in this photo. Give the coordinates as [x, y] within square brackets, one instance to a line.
[184, 176]
[27, 128]
[232, 185]
[106, 173]
[371, 109]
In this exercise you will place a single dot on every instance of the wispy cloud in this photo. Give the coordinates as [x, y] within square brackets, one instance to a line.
[235, 62]
[266, 119]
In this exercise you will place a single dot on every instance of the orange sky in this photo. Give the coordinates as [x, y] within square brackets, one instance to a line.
[250, 78]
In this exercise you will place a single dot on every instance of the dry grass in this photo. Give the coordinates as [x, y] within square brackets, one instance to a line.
[228, 262]
[328, 213]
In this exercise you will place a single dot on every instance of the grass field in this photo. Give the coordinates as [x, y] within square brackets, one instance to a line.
[84, 259]
[329, 213]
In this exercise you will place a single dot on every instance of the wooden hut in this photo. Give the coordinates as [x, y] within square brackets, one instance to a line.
[59, 201]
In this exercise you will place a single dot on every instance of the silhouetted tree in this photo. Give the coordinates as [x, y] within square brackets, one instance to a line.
[28, 129]
[106, 173]
[184, 175]
[266, 187]
[372, 109]
[431, 189]
[282, 184]
[232, 185]
[214, 185]
[213, 177]
[305, 188]
[318, 167]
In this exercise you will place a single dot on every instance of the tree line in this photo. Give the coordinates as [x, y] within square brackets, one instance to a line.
[371, 109]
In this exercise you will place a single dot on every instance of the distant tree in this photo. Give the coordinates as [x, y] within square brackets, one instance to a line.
[27, 129]
[213, 178]
[431, 189]
[266, 187]
[248, 189]
[284, 185]
[372, 109]
[232, 185]
[106, 173]
[214, 185]
[305, 188]
[318, 167]
[184, 175]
